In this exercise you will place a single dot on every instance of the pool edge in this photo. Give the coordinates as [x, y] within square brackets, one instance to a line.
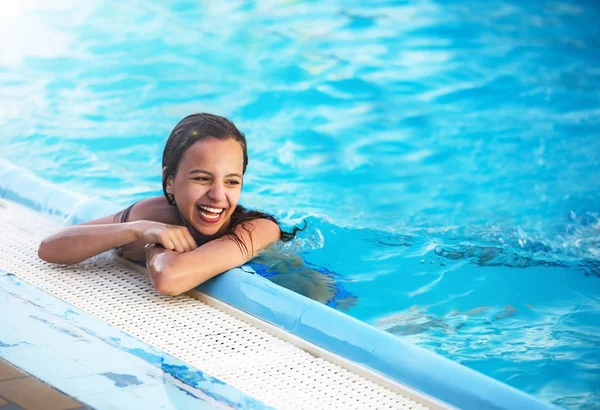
[359, 342]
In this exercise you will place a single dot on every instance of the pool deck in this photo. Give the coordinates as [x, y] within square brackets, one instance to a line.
[101, 334]
[21, 391]
[82, 357]
[238, 340]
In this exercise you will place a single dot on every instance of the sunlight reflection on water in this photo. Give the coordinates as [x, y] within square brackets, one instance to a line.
[445, 155]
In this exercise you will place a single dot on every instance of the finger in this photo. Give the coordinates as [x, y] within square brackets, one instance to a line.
[183, 240]
[178, 245]
[190, 239]
[180, 238]
[187, 239]
[166, 242]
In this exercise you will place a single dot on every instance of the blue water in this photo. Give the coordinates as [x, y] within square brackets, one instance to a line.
[446, 155]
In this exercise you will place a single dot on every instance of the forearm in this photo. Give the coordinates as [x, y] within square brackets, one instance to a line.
[169, 272]
[174, 273]
[78, 243]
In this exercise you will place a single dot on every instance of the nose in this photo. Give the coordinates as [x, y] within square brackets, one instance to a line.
[216, 192]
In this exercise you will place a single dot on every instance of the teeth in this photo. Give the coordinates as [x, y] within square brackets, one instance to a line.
[209, 209]
[207, 216]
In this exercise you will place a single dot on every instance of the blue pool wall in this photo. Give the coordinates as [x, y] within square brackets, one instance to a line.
[312, 321]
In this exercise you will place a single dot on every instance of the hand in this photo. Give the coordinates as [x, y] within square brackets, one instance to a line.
[134, 251]
[172, 237]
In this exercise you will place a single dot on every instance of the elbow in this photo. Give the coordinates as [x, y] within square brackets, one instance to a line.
[165, 281]
[46, 253]
[43, 253]
[165, 285]
[168, 278]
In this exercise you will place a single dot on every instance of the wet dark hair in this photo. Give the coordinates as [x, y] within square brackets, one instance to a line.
[197, 127]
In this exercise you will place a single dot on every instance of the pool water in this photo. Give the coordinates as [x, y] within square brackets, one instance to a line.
[445, 155]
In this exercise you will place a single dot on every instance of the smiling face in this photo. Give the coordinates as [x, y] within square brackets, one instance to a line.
[208, 184]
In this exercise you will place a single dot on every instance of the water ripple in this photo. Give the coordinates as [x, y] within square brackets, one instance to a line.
[444, 154]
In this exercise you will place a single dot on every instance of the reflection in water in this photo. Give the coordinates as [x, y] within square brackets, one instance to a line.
[292, 272]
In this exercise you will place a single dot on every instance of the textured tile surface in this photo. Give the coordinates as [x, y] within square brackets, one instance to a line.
[89, 360]
[224, 360]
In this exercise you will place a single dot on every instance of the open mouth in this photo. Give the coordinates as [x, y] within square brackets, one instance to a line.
[209, 214]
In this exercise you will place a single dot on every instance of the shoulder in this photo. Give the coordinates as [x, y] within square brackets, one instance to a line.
[263, 224]
[252, 236]
[262, 229]
[154, 209]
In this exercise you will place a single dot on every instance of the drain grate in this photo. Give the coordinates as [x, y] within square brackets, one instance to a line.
[262, 365]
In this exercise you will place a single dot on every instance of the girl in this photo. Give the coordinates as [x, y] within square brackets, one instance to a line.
[197, 230]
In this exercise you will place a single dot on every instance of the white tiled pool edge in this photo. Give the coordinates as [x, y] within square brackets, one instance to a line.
[353, 340]
[311, 348]
[93, 362]
[249, 359]
[317, 351]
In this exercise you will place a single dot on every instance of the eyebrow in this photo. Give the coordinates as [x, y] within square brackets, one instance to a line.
[201, 171]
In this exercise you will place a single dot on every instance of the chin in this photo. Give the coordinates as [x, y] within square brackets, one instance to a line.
[204, 230]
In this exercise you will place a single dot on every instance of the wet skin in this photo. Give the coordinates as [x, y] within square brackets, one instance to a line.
[209, 175]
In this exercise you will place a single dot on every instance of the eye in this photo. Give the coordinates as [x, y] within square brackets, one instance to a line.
[233, 182]
[201, 179]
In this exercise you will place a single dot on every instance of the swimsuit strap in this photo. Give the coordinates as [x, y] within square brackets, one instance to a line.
[123, 216]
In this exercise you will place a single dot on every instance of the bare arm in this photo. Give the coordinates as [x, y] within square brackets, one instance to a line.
[174, 273]
[77, 243]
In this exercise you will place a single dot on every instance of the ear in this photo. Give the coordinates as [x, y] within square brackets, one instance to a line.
[169, 180]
